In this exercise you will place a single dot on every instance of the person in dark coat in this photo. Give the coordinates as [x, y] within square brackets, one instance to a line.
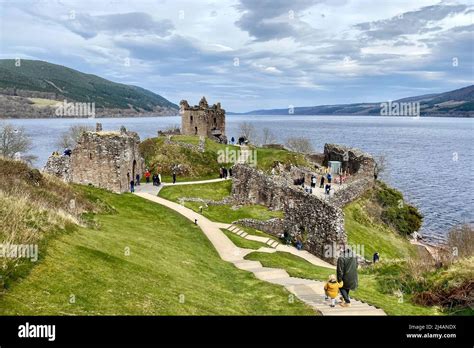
[230, 171]
[321, 183]
[132, 186]
[225, 172]
[347, 273]
[174, 177]
[376, 257]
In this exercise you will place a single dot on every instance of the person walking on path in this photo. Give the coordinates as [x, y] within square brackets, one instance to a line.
[329, 178]
[174, 177]
[159, 180]
[137, 182]
[132, 186]
[321, 183]
[155, 179]
[147, 176]
[313, 181]
[331, 289]
[225, 172]
[347, 274]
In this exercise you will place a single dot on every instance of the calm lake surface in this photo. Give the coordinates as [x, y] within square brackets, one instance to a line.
[430, 160]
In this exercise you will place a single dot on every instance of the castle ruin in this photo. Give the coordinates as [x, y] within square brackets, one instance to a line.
[203, 120]
[108, 160]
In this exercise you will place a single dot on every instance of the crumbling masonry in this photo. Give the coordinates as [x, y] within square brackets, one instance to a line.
[108, 160]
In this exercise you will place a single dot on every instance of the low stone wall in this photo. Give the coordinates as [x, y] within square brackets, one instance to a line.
[275, 227]
[352, 191]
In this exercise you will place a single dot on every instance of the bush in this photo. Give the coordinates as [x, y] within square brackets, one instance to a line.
[405, 218]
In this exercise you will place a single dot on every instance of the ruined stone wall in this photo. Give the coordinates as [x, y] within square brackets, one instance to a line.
[102, 159]
[352, 191]
[59, 166]
[318, 222]
[354, 161]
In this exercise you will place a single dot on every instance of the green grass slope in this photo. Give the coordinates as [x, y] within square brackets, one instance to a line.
[34, 75]
[144, 259]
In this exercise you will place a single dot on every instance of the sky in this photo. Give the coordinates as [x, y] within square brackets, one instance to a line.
[252, 54]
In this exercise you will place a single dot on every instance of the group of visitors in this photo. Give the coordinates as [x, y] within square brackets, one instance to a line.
[324, 178]
[136, 181]
[224, 173]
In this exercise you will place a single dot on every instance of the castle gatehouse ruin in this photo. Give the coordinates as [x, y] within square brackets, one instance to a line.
[203, 120]
[105, 159]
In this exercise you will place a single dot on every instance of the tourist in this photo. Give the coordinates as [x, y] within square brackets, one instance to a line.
[230, 171]
[232, 140]
[221, 172]
[327, 189]
[137, 183]
[287, 238]
[376, 257]
[331, 289]
[347, 274]
[329, 178]
[147, 176]
[313, 181]
[321, 183]
[67, 152]
[159, 179]
[174, 177]
[155, 179]
[132, 186]
[225, 172]
[299, 243]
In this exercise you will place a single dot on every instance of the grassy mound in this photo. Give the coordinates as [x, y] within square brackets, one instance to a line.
[164, 156]
[365, 226]
[33, 209]
[215, 191]
[142, 260]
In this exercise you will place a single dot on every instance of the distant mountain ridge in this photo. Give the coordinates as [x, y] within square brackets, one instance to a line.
[26, 89]
[456, 103]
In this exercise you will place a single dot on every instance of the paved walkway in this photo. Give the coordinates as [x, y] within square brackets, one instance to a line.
[309, 291]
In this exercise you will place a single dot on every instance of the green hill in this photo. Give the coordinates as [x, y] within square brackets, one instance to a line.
[38, 79]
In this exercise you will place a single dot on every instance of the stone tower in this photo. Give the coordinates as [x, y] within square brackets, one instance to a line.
[104, 159]
[203, 120]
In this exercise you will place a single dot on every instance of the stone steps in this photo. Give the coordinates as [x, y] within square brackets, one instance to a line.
[268, 241]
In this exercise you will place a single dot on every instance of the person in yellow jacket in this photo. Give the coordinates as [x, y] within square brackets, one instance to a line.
[331, 288]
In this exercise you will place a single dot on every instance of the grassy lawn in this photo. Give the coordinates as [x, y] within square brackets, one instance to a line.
[361, 229]
[189, 139]
[242, 242]
[368, 290]
[144, 259]
[225, 213]
[215, 191]
[267, 157]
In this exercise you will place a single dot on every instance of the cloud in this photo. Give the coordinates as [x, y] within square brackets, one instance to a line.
[267, 19]
[89, 26]
[412, 22]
